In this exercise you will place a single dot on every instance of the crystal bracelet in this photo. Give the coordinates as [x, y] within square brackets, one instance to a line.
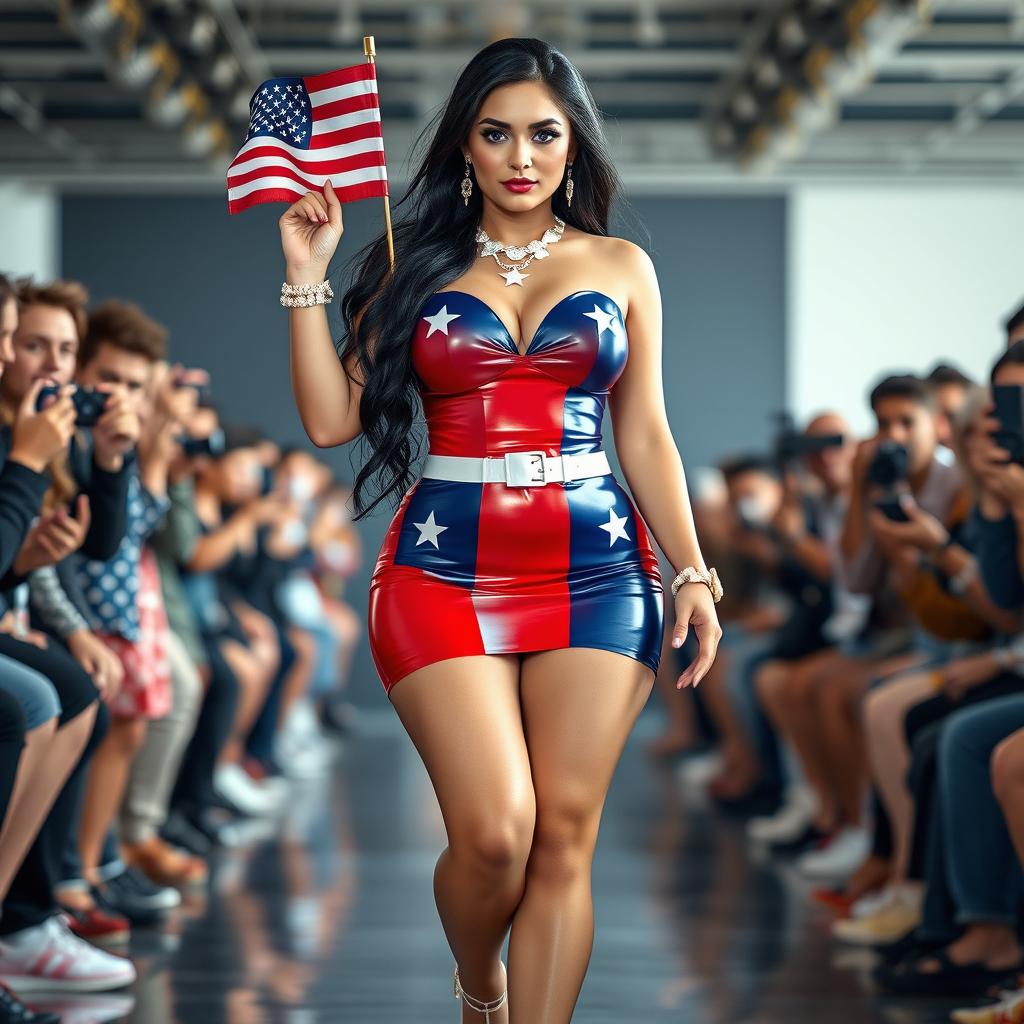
[306, 294]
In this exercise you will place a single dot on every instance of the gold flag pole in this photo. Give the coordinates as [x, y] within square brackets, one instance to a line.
[370, 51]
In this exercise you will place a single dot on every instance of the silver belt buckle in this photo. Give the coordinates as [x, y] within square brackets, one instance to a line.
[522, 469]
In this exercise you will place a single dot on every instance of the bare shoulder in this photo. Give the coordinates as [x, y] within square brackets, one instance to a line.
[634, 267]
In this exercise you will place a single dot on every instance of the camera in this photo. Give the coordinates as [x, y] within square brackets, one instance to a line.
[792, 446]
[89, 404]
[211, 446]
[890, 466]
[1008, 400]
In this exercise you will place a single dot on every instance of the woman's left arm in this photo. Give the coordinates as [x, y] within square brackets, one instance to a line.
[650, 460]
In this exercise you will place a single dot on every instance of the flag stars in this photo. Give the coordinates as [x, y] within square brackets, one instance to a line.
[616, 527]
[277, 88]
[429, 531]
[603, 319]
[440, 320]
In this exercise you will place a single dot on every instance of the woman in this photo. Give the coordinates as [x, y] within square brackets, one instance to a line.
[499, 610]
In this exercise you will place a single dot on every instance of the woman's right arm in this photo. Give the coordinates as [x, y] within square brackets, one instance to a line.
[326, 396]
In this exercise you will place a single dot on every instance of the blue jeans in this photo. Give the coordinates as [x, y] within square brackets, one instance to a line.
[972, 871]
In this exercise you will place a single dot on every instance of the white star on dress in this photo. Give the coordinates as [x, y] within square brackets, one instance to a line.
[429, 530]
[603, 319]
[615, 526]
[514, 277]
[440, 320]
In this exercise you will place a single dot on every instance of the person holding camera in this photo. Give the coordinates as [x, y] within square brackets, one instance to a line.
[34, 937]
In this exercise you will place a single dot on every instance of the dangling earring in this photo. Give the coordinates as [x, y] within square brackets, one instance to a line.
[568, 187]
[467, 186]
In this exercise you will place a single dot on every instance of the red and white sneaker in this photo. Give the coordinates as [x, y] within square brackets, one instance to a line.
[49, 958]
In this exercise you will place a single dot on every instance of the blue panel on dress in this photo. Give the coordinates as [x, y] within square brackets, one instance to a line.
[455, 506]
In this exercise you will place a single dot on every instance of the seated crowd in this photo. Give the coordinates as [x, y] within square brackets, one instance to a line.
[174, 643]
[866, 712]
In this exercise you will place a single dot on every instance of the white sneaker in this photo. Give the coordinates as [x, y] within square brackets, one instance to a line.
[790, 821]
[696, 772]
[50, 958]
[873, 902]
[843, 855]
[232, 783]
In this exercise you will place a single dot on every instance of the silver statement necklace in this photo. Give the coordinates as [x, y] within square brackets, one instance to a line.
[537, 249]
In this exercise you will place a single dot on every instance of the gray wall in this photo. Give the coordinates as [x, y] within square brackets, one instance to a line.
[214, 281]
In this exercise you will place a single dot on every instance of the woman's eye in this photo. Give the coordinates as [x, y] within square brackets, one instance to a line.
[495, 131]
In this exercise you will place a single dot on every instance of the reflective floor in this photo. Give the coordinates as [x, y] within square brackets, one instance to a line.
[329, 917]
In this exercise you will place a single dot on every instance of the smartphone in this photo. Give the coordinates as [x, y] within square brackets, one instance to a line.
[892, 509]
[1009, 410]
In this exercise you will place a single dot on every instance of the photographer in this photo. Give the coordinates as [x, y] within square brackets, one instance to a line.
[785, 513]
[51, 322]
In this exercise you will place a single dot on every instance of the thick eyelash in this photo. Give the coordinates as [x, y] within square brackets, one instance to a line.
[542, 131]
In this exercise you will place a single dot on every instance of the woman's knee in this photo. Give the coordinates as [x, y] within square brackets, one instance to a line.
[769, 684]
[563, 841]
[1008, 770]
[494, 843]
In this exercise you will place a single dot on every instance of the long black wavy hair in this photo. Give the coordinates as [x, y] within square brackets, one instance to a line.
[434, 245]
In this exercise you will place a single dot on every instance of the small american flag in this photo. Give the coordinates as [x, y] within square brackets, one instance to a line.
[303, 131]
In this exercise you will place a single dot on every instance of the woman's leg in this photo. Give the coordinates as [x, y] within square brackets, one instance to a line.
[1008, 783]
[885, 709]
[108, 777]
[464, 718]
[13, 735]
[579, 706]
[786, 692]
[253, 683]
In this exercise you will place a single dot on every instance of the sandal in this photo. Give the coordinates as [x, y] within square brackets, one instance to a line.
[951, 979]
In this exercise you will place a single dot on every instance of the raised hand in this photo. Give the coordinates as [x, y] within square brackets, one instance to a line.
[39, 436]
[311, 229]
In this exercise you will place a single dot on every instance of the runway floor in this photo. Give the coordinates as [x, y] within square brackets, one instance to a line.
[330, 917]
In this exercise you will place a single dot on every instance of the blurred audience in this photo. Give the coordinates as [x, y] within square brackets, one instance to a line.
[174, 638]
[866, 714]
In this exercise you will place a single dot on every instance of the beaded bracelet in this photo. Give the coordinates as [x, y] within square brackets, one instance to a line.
[306, 294]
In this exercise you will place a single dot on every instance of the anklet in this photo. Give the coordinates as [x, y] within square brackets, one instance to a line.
[486, 1008]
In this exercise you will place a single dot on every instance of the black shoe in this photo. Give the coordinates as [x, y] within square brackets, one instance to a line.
[338, 717]
[134, 896]
[14, 1011]
[907, 946]
[179, 831]
[211, 826]
[951, 979]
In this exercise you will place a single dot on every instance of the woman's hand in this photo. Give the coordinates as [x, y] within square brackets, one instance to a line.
[311, 229]
[696, 607]
[922, 530]
[964, 674]
[53, 537]
[40, 436]
[9, 626]
[98, 660]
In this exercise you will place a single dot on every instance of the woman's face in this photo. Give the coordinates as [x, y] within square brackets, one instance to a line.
[239, 475]
[8, 325]
[45, 347]
[519, 133]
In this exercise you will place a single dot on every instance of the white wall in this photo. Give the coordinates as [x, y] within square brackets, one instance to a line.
[896, 278]
[29, 231]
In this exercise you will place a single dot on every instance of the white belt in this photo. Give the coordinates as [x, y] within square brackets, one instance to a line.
[516, 469]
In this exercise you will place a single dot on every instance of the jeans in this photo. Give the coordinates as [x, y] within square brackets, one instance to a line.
[972, 870]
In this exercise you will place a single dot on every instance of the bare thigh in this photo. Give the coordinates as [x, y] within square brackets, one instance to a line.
[579, 706]
[464, 718]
